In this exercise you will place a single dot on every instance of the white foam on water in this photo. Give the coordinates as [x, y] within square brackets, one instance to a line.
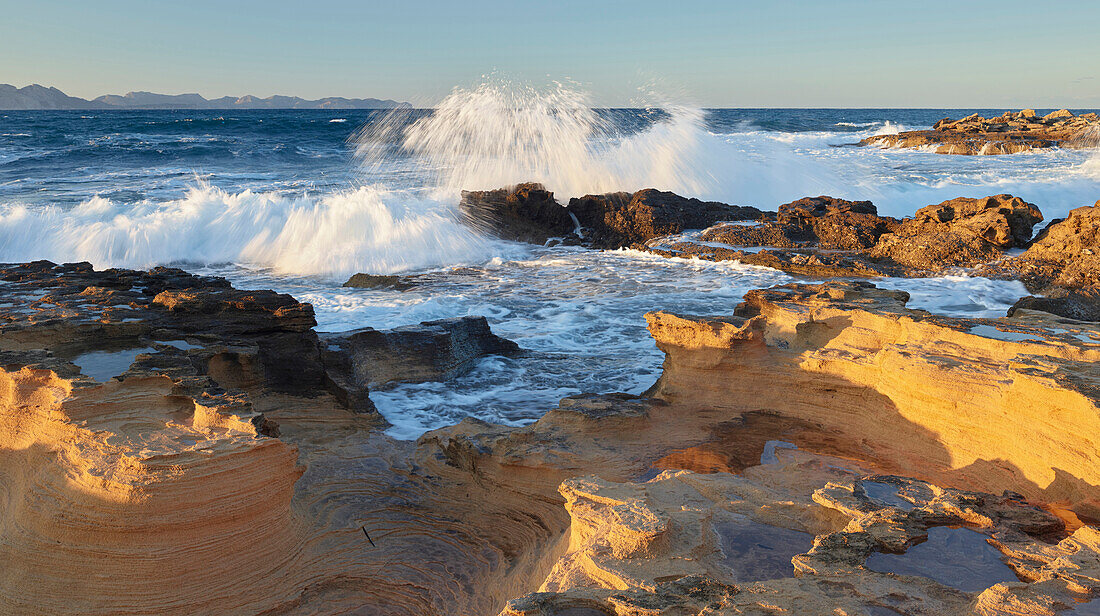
[368, 229]
[500, 134]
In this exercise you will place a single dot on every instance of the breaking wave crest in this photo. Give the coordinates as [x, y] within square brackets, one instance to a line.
[501, 134]
[368, 229]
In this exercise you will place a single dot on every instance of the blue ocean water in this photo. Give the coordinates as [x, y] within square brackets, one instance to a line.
[67, 157]
[298, 200]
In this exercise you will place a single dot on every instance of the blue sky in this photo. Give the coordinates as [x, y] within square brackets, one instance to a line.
[840, 53]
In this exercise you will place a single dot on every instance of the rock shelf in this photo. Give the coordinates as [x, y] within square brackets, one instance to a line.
[236, 466]
[1009, 133]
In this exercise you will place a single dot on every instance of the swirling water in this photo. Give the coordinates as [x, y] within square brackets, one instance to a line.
[299, 200]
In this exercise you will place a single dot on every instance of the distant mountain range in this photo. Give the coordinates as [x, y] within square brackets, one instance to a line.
[41, 97]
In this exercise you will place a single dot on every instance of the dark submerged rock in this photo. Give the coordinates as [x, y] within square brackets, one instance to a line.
[430, 351]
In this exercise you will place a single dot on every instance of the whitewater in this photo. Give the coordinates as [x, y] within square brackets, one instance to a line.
[298, 201]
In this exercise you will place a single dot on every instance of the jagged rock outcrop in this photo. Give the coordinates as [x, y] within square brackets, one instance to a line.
[960, 232]
[1009, 133]
[1062, 265]
[817, 222]
[523, 213]
[939, 398]
[381, 281]
[616, 220]
[825, 237]
[684, 543]
[529, 213]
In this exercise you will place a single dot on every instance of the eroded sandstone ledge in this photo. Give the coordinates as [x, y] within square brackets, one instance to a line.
[1009, 133]
[164, 490]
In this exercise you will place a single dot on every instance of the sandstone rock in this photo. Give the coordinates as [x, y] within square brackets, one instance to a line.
[960, 232]
[158, 491]
[1062, 264]
[524, 213]
[1055, 115]
[802, 351]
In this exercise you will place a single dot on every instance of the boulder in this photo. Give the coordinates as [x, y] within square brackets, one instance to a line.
[523, 213]
[616, 220]
[1069, 249]
[960, 232]
[529, 213]
[1056, 115]
[378, 281]
[818, 222]
[1076, 304]
[430, 351]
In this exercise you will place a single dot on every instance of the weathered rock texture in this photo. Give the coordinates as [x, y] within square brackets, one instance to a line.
[523, 213]
[818, 222]
[827, 237]
[960, 232]
[164, 489]
[1006, 134]
[1061, 264]
[684, 543]
[529, 213]
[991, 405]
[621, 219]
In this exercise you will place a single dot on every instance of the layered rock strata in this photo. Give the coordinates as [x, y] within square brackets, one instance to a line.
[159, 485]
[1009, 133]
[988, 404]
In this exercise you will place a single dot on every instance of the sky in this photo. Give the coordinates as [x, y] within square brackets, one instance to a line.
[778, 53]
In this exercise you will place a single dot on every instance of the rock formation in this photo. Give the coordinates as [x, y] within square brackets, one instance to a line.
[936, 397]
[529, 213]
[817, 222]
[960, 232]
[1006, 134]
[172, 445]
[827, 237]
[1062, 265]
[430, 351]
[620, 219]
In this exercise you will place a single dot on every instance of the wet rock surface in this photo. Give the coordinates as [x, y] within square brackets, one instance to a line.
[784, 447]
[621, 219]
[529, 213]
[817, 222]
[825, 237]
[430, 351]
[1009, 133]
[960, 232]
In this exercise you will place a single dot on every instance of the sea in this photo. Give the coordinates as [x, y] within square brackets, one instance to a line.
[299, 200]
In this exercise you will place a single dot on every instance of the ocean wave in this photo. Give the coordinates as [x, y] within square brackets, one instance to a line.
[500, 134]
[362, 230]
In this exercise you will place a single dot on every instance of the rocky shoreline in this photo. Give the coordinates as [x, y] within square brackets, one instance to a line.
[171, 444]
[1009, 133]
